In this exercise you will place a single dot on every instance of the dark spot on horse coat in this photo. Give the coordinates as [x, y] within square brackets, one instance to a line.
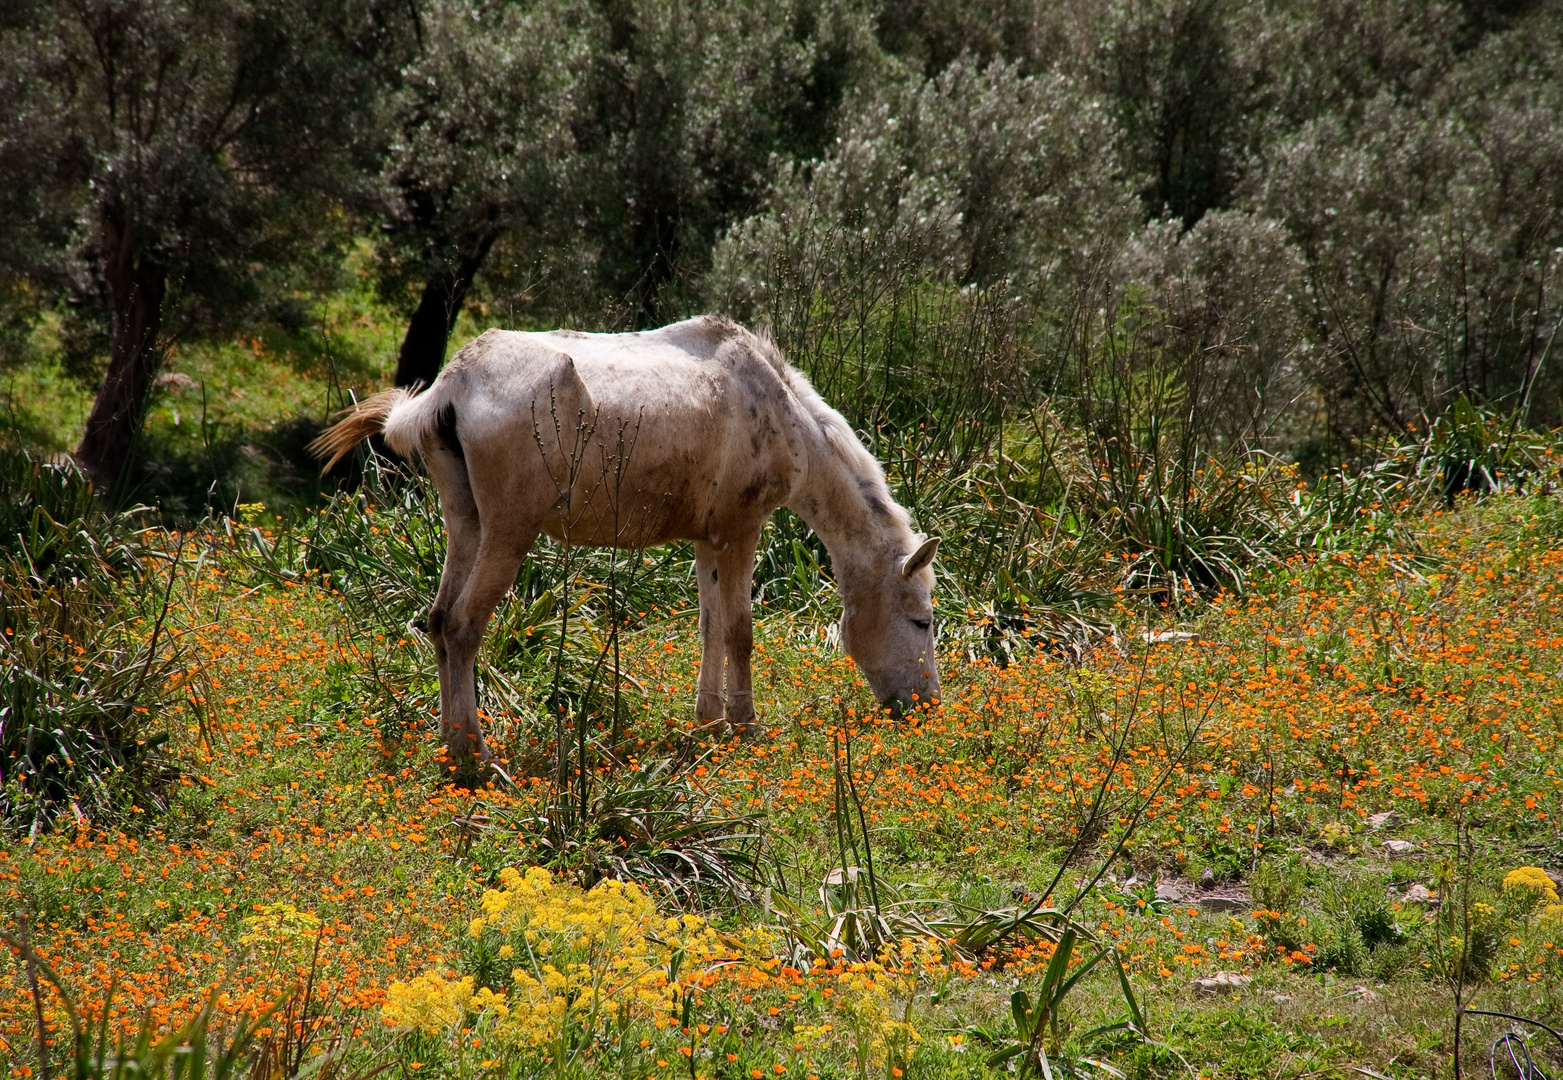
[751, 494]
[445, 430]
[713, 575]
[876, 505]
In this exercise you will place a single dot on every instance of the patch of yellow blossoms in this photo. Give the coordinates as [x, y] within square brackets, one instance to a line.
[1531, 879]
[1539, 886]
[580, 957]
[863, 1025]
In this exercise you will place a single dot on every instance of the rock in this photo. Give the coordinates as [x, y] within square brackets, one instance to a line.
[1222, 982]
[1281, 999]
[1168, 637]
[1361, 993]
[175, 380]
[1170, 893]
[1224, 903]
[1387, 820]
[1398, 847]
[1207, 878]
[1418, 894]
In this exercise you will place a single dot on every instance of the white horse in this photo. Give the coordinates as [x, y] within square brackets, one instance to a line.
[697, 431]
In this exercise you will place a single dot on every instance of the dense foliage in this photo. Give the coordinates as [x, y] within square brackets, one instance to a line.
[1348, 213]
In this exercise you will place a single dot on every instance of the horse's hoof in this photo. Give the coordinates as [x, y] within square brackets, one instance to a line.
[744, 728]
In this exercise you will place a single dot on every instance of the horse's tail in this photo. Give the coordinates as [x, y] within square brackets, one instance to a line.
[367, 418]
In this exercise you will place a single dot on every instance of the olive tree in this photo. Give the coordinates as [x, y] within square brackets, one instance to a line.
[574, 162]
[1423, 187]
[192, 146]
[482, 146]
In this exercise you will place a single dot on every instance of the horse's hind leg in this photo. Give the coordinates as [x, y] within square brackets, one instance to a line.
[708, 694]
[462, 531]
[499, 556]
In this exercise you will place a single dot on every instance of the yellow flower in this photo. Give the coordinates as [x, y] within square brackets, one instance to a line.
[588, 955]
[278, 924]
[1533, 880]
[430, 1002]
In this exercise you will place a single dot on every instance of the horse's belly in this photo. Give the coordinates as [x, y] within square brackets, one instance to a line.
[630, 512]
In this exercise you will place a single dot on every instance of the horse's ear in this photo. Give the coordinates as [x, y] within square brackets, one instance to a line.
[921, 557]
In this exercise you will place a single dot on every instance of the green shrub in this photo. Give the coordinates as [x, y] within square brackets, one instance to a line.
[85, 652]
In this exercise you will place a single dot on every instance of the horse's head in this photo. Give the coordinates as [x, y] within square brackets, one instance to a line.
[887, 627]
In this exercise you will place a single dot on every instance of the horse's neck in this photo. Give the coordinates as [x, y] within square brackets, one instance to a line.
[836, 504]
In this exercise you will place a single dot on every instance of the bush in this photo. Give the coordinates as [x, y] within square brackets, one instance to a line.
[85, 654]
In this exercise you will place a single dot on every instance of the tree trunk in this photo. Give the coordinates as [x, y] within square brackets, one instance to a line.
[423, 349]
[136, 287]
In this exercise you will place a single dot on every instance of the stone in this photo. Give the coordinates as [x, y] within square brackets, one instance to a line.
[1168, 637]
[1225, 903]
[1398, 847]
[1207, 878]
[1222, 982]
[1281, 999]
[1170, 893]
[1387, 820]
[1418, 894]
[1361, 993]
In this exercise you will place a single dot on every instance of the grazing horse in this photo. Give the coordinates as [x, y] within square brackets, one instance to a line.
[697, 431]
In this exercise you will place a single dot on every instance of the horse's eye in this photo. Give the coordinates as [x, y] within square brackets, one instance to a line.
[921, 624]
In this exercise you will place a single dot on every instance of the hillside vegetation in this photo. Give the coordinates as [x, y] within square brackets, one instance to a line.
[1215, 339]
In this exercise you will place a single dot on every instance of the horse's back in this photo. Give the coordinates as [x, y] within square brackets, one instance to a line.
[689, 424]
[673, 375]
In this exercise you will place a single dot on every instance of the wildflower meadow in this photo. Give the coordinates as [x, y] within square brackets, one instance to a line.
[1299, 820]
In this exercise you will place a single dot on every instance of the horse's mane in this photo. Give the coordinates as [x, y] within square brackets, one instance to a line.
[839, 438]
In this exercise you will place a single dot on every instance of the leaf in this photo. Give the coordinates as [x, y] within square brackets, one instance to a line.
[1079, 973]
[1020, 1008]
[1057, 966]
[1047, 1071]
[1128, 994]
[1007, 1054]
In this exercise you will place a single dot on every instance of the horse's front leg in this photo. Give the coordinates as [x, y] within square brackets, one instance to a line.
[708, 691]
[735, 564]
